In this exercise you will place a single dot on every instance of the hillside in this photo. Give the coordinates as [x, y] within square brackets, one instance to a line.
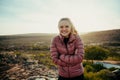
[25, 41]
[22, 41]
[109, 36]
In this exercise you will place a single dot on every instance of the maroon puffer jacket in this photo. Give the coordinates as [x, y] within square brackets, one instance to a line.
[69, 59]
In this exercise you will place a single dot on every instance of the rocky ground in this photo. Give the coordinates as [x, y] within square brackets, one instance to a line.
[19, 68]
[31, 72]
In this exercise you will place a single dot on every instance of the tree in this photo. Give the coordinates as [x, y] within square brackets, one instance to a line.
[96, 53]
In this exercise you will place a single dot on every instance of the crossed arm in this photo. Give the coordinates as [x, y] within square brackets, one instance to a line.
[66, 59]
[77, 57]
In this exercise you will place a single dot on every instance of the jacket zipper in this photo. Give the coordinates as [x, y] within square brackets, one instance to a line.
[67, 52]
[68, 66]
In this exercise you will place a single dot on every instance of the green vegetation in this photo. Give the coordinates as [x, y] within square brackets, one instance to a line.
[96, 72]
[44, 58]
[114, 53]
[96, 53]
[101, 75]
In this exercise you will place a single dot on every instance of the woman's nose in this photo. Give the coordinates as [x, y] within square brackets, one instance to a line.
[64, 28]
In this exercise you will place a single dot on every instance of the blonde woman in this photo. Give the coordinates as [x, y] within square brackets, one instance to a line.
[67, 51]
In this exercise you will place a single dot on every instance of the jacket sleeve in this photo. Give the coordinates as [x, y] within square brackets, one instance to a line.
[78, 56]
[55, 55]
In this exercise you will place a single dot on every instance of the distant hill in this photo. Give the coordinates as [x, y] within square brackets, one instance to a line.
[28, 40]
[108, 36]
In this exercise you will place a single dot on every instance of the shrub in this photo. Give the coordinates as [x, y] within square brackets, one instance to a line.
[104, 74]
[98, 67]
[89, 68]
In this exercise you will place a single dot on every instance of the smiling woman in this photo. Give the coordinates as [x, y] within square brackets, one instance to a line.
[67, 51]
[66, 27]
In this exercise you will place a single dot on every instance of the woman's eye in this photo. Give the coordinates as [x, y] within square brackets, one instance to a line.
[61, 26]
[67, 26]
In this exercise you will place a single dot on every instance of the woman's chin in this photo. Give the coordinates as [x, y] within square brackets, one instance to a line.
[65, 35]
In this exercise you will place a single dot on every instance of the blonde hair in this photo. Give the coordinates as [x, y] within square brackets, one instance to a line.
[73, 30]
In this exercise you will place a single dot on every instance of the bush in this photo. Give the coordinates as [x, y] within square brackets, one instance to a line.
[87, 63]
[104, 74]
[96, 53]
[89, 68]
[98, 67]
[112, 68]
[89, 75]
[101, 75]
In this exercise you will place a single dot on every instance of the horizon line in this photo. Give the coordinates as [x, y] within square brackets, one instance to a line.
[52, 33]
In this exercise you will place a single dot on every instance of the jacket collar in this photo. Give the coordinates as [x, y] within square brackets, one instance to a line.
[71, 37]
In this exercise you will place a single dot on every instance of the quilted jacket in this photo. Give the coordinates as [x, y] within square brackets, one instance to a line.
[68, 58]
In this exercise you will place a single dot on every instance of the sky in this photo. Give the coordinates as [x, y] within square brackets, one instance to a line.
[42, 16]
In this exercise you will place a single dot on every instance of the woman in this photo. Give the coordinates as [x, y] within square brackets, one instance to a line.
[67, 51]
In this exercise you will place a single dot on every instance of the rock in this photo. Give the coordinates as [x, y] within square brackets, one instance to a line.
[30, 70]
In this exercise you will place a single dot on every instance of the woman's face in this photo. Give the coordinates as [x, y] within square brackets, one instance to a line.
[64, 28]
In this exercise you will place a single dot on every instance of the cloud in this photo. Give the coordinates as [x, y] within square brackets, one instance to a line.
[43, 15]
